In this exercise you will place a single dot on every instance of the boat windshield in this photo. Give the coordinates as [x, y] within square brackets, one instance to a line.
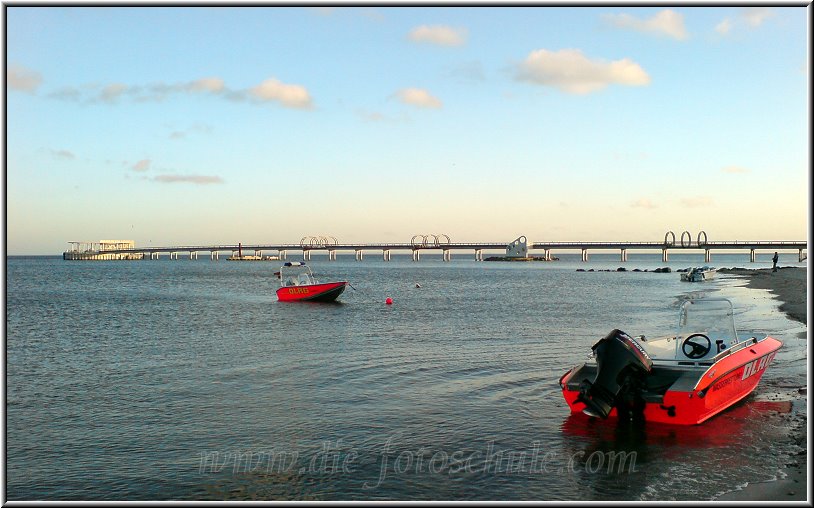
[712, 317]
[296, 274]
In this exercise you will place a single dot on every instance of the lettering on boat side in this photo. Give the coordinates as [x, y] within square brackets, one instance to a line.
[756, 366]
[298, 291]
[723, 383]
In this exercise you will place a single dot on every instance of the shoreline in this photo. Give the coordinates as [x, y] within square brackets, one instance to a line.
[790, 286]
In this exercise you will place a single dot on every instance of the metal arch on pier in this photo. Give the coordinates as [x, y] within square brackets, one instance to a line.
[429, 241]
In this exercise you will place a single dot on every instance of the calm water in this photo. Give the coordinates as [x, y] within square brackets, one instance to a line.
[188, 380]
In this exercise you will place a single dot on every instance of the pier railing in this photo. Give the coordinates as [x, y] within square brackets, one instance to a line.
[446, 247]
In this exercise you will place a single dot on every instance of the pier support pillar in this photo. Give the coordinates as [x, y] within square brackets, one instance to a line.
[623, 256]
[585, 254]
[664, 257]
[801, 256]
[547, 254]
[331, 255]
[751, 255]
[281, 254]
[416, 255]
[306, 255]
[446, 255]
[386, 255]
[707, 256]
[478, 255]
[359, 255]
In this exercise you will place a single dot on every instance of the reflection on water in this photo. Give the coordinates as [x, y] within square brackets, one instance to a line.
[188, 380]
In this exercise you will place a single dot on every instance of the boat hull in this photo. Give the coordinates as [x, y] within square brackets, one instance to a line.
[325, 292]
[696, 395]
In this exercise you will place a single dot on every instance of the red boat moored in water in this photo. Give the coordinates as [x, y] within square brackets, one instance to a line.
[298, 284]
[684, 379]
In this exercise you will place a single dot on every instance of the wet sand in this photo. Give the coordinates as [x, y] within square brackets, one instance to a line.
[790, 286]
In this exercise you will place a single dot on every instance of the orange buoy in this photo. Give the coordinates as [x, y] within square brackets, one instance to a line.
[389, 301]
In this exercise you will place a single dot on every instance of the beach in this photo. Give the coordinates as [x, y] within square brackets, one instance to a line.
[789, 285]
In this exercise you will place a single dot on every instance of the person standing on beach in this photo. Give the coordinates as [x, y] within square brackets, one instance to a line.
[774, 262]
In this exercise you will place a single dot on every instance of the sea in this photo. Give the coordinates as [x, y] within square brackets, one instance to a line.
[187, 380]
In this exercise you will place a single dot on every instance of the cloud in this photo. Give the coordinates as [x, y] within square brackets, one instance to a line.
[666, 22]
[724, 27]
[751, 17]
[111, 93]
[439, 35]
[63, 154]
[734, 170]
[22, 79]
[291, 96]
[195, 179]
[572, 72]
[418, 97]
[643, 203]
[696, 202]
[68, 93]
[142, 165]
[213, 85]
[755, 16]
[322, 11]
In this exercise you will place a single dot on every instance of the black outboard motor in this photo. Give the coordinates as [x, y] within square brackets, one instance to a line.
[618, 359]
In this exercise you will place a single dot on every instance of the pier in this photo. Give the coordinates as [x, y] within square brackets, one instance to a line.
[519, 248]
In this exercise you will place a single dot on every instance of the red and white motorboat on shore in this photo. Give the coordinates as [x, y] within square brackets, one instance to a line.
[683, 379]
[298, 284]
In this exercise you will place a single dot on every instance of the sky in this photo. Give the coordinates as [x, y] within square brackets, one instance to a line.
[214, 125]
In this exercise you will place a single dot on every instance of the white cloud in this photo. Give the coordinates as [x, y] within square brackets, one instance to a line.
[142, 165]
[418, 97]
[63, 154]
[751, 17]
[214, 85]
[572, 72]
[439, 35]
[666, 22]
[643, 203]
[292, 96]
[111, 93]
[23, 79]
[697, 202]
[755, 16]
[724, 27]
[734, 170]
[322, 11]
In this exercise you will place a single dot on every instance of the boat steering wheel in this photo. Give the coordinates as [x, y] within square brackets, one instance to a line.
[696, 349]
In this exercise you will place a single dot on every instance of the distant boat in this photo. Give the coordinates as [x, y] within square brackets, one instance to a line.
[299, 285]
[696, 274]
[244, 258]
